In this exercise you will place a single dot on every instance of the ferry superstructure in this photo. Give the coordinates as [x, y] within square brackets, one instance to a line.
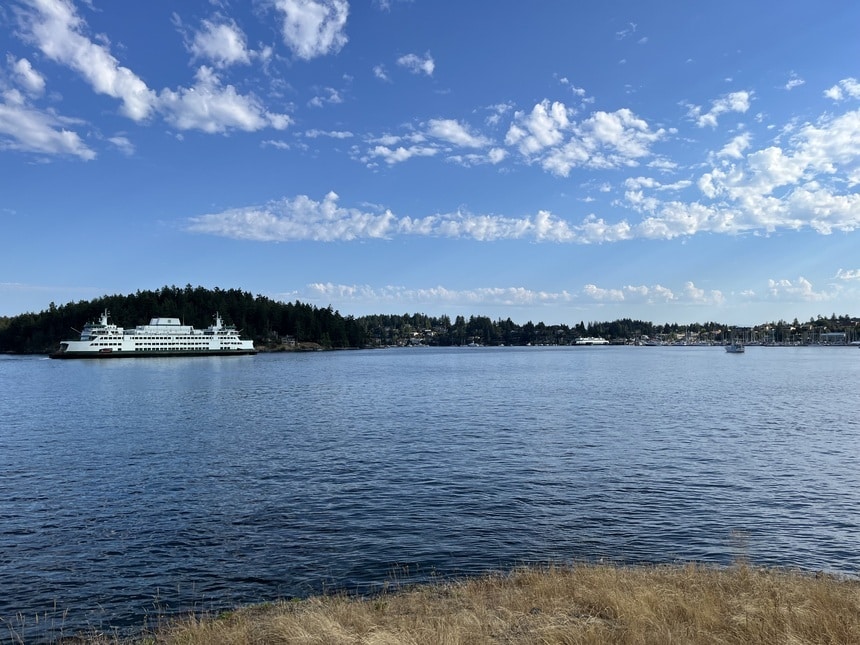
[161, 337]
[590, 340]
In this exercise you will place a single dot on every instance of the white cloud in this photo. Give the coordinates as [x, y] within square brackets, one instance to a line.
[493, 156]
[26, 129]
[222, 42]
[658, 293]
[381, 73]
[603, 140]
[399, 154]
[794, 81]
[332, 134]
[576, 91]
[653, 294]
[313, 28]
[299, 219]
[328, 96]
[676, 219]
[636, 183]
[279, 145]
[542, 128]
[395, 297]
[805, 184]
[404, 296]
[622, 131]
[627, 31]
[465, 225]
[456, 133]
[387, 140]
[302, 218]
[427, 144]
[27, 77]
[123, 144]
[594, 292]
[57, 30]
[848, 274]
[698, 296]
[846, 88]
[734, 149]
[400, 296]
[417, 64]
[734, 102]
[497, 155]
[547, 136]
[484, 228]
[497, 112]
[798, 290]
[210, 107]
[595, 230]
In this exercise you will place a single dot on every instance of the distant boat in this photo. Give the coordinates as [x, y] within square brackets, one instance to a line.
[590, 340]
[735, 348]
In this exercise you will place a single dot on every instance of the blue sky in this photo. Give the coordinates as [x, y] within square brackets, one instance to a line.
[547, 161]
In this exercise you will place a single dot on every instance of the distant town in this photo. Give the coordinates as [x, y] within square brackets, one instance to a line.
[417, 330]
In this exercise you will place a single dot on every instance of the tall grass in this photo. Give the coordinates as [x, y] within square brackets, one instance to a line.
[581, 604]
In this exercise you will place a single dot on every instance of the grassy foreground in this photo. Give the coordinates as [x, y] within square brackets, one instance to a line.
[578, 604]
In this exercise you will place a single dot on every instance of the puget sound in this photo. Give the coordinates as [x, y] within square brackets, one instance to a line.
[132, 489]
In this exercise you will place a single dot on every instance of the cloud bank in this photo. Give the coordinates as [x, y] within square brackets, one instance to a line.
[808, 182]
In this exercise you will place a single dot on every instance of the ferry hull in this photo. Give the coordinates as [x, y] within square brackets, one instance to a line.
[145, 354]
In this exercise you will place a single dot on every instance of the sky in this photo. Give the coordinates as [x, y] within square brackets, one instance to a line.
[546, 161]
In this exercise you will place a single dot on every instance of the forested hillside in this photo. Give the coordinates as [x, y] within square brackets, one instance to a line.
[264, 320]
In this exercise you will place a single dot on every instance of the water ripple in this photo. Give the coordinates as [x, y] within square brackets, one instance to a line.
[130, 489]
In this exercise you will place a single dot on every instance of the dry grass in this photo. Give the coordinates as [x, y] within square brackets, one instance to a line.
[582, 604]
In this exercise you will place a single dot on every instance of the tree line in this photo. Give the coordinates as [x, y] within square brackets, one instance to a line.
[262, 319]
[274, 324]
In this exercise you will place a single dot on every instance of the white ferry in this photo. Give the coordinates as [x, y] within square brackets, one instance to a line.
[161, 337]
[590, 340]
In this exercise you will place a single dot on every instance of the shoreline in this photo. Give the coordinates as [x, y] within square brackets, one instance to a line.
[579, 603]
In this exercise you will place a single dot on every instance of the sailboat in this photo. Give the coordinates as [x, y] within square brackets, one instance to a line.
[735, 347]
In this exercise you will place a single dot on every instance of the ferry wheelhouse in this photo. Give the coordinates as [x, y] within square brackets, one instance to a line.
[161, 337]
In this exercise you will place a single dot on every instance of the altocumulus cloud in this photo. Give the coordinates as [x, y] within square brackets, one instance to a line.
[303, 218]
[805, 179]
[300, 218]
[504, 296]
